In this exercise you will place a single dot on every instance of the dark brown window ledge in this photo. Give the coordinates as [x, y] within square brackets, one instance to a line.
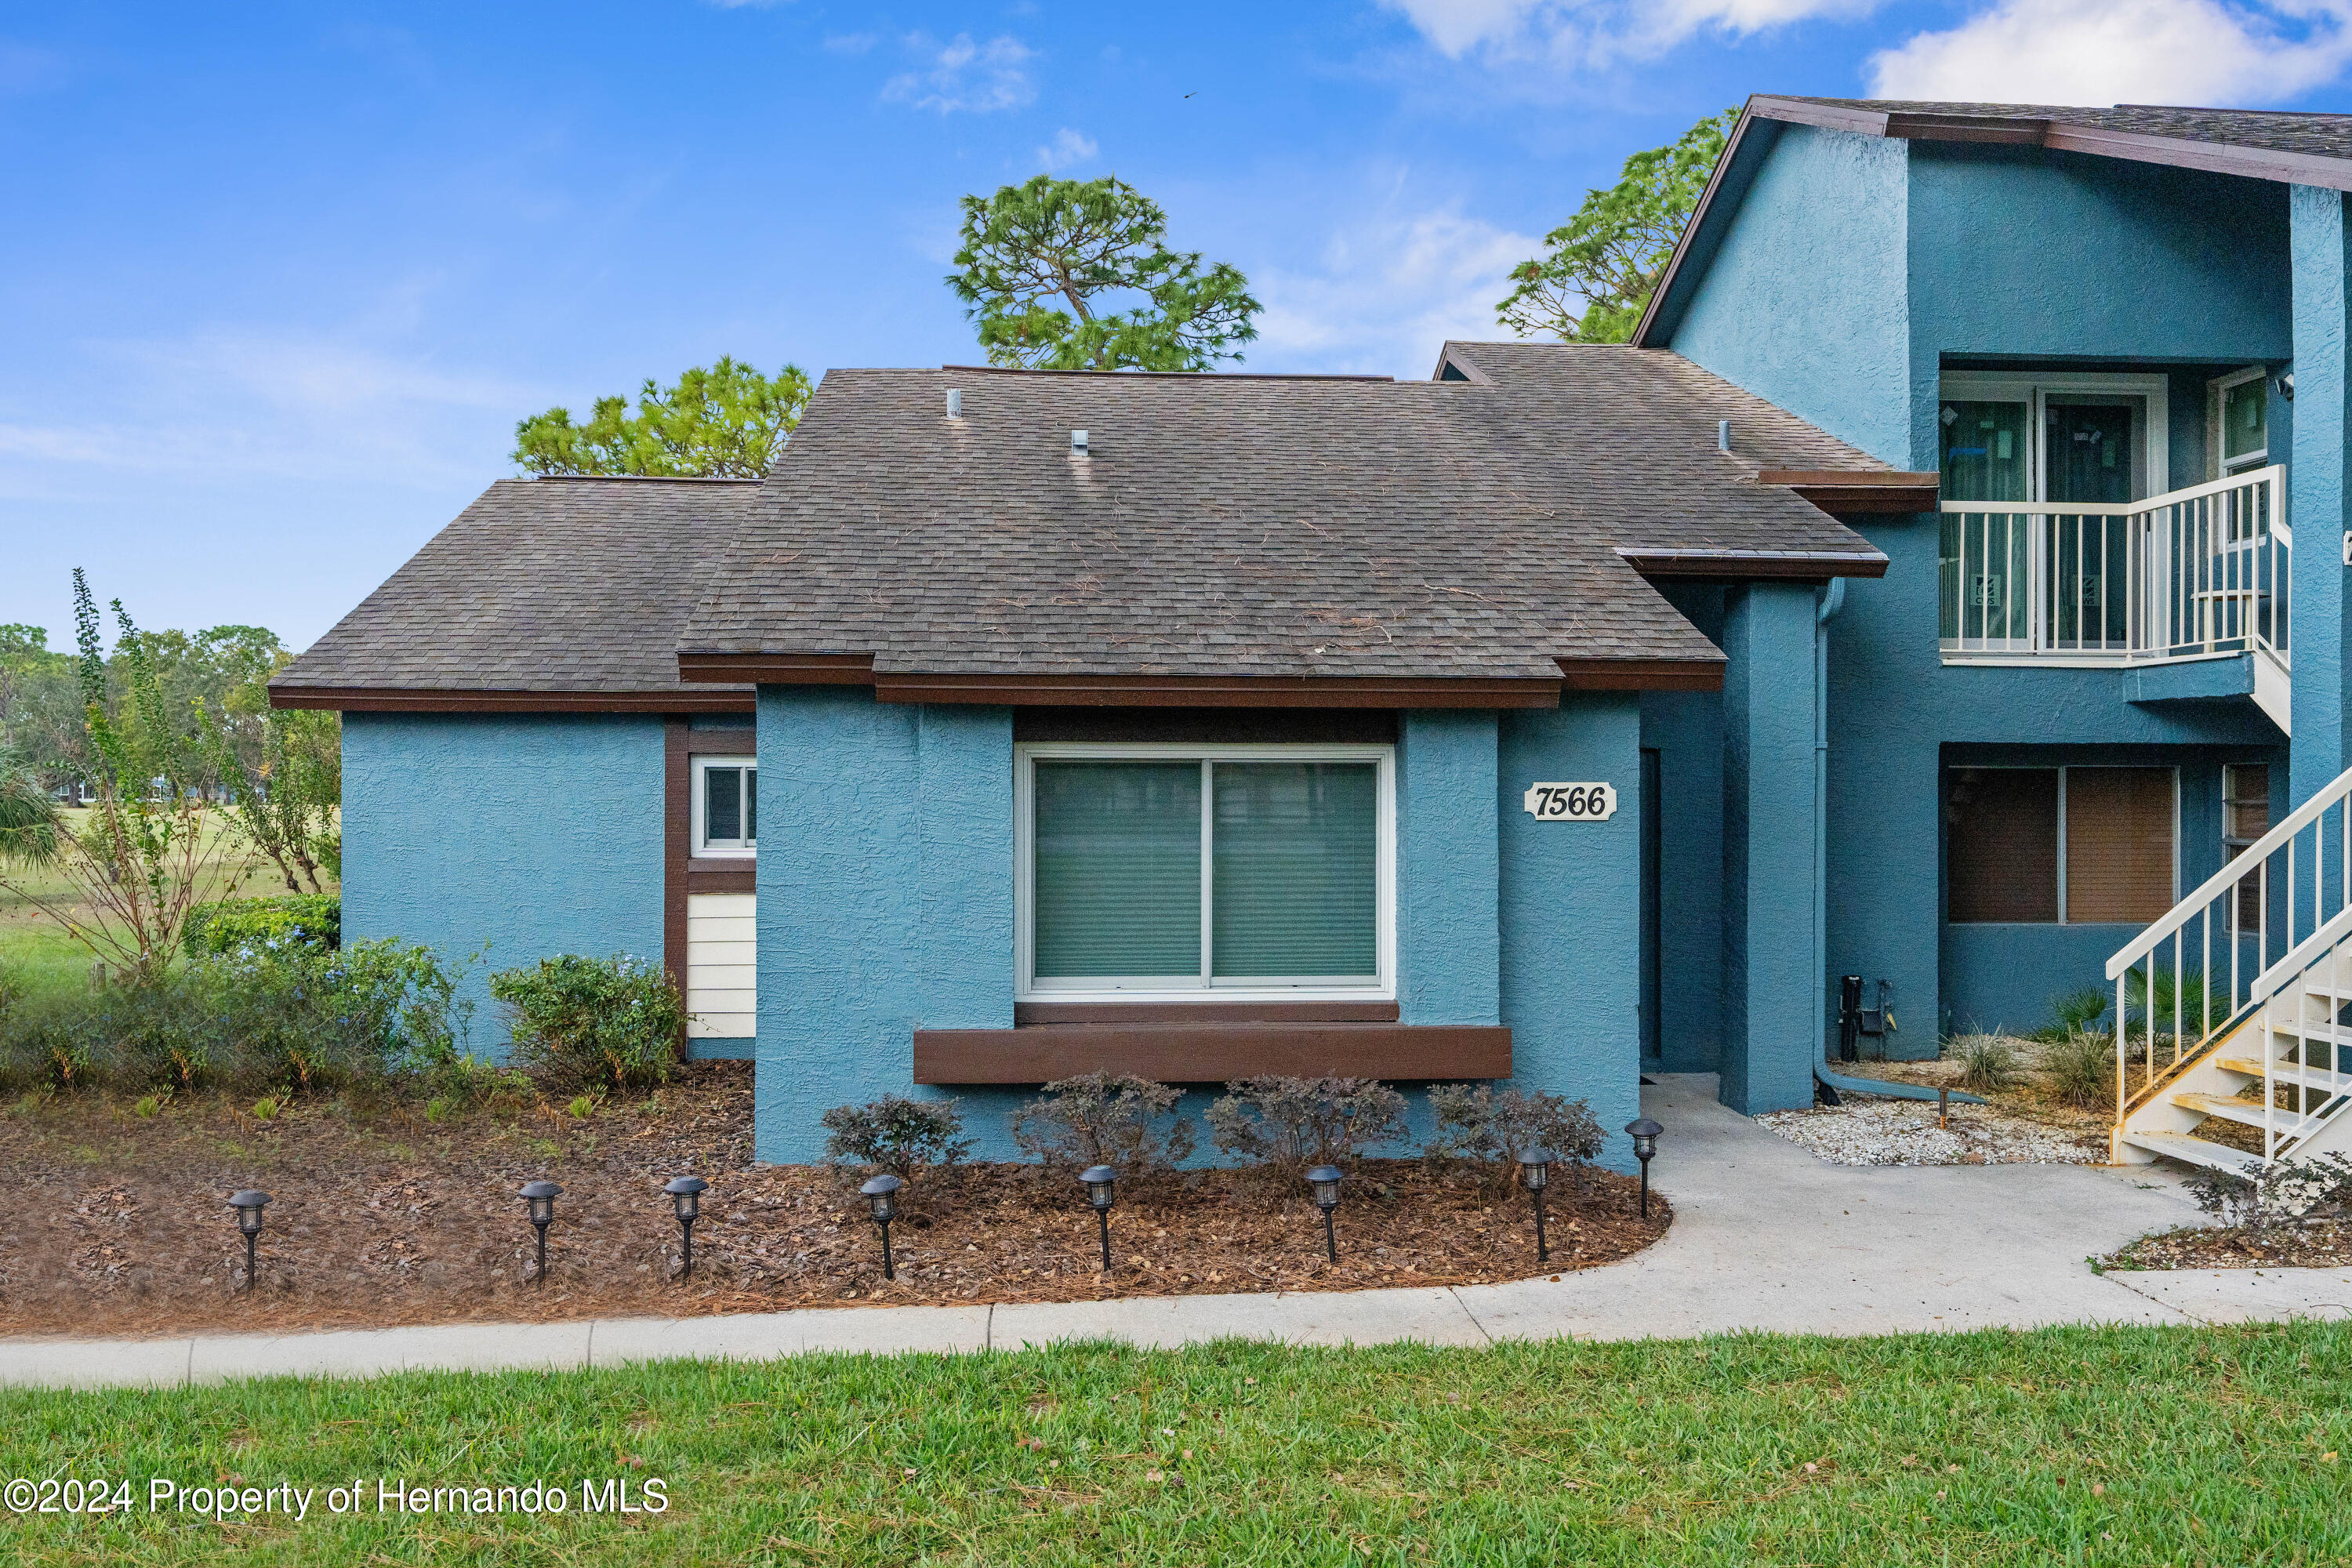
[1212, 1051]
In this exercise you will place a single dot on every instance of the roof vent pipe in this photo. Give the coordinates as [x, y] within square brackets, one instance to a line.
[1723, 434]
[955, 403]
[1077, 443]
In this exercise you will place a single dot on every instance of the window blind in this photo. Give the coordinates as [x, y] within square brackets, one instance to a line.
[2002, 846]
[2118, 844]
[1117, 880]
[1296, 873]
[722, 807]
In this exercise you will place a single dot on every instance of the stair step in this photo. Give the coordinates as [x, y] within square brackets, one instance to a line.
[2312, 1029]
[2196, 1151]
[2246, 1112]
[2289, 1072]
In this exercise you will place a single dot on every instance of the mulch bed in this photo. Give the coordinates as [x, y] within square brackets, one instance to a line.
[119, 1224]
[2312, 1244]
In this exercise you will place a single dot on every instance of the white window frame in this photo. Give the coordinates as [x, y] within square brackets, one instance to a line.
[1026, 986]
[1977, 386]
[698, 793]
[2219, 465]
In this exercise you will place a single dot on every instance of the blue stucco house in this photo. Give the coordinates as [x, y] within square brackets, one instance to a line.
[1912, 600]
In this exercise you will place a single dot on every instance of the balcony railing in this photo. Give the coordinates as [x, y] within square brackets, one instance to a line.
[2180, 575]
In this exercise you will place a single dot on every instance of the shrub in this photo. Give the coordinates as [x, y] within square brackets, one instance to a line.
[1987, 1061]
[1291, 1123]
[612, 1021]
[1100, 1118]
[305, 919]
[1493, 1128]
[2081, 1069]
[896, 1134]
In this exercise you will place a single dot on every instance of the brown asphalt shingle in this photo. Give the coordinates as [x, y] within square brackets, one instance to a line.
[1240, 526]
[540, 585]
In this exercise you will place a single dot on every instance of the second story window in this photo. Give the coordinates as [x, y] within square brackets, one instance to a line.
[2238, 423]
[726, 807]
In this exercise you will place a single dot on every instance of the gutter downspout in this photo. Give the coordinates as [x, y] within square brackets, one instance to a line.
[1832, 600]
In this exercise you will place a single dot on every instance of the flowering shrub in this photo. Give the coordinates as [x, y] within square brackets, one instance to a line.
[614, 1021]
[308, 920]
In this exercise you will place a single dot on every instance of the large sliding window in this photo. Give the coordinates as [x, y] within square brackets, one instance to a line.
[1161, 872]
[2051, 845]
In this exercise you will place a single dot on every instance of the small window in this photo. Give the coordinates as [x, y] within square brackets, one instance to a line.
[726, 807]
[2238, 421]
[2047, 846]
[2245, 817]
[1149, 872]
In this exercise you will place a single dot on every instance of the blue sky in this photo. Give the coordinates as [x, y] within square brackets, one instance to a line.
[277, 280]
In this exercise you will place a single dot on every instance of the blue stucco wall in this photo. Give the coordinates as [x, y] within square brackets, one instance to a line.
[1686, 729]
[530, 835]
[2323, 426]
[1448, 946]
[2182, 266]
[1770, 994]
[1825, 207]
[892, 909]
[1572, 922]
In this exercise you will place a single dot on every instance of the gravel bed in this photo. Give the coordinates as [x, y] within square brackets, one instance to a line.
[1869, 1132]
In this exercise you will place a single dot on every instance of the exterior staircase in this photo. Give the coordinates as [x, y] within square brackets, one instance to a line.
[2236, 1008]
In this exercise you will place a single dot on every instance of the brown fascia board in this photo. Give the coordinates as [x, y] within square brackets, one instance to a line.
[2138, 146]
[1642, 674]
[1640, 338]
[1212, 1052]
[779, 669]
[430, 700]
[1805, 565]
[1850, 493]
[1216, 691]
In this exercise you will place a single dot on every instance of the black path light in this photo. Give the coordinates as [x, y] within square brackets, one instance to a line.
[248, 1205]
[1100, 1180]
[1325, 1181]
[882, 1201]
[687, 1192]
[1645, 1144]
[541, 1196]
[1535, 1174]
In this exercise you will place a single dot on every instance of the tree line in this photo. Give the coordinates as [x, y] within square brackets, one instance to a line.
[1078, 275]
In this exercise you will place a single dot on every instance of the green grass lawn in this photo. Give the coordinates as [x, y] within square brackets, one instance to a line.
[2123, 1445]
[35, 949]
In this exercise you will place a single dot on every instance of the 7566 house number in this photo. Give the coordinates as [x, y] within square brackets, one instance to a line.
[1572, 802]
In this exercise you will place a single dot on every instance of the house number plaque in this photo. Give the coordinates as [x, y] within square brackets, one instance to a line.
[1572, 802]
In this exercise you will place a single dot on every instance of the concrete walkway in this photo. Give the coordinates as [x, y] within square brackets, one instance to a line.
[1765, 1237]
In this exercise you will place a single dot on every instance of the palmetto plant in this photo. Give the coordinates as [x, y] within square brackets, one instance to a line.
[2179, 1002]
[30, 833]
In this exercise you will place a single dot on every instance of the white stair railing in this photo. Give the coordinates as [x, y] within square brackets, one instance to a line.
[2185, 574]
[2303, 1036]
[2232, 944]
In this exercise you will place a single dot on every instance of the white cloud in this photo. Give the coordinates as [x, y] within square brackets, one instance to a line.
[2111, 51]
[960, 74]
[1570, 34]
[1067, 148]
[1390, 290]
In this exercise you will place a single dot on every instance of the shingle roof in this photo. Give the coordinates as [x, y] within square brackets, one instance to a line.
[1246, 526]
[542, 585]
[2271, 130]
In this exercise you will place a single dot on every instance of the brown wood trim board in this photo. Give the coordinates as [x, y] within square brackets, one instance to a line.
[421, 699]
[1211, 1053]
[681, 873]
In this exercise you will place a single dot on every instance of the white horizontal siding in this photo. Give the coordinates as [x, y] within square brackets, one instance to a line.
[721, 965]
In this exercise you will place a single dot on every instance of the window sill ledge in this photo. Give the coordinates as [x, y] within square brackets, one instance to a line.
[1212, 1051]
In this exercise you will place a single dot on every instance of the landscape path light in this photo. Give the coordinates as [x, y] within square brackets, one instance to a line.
[541, 1196]
[882, 1202]
[1100, 1181]
[1325, 1181]
[1644, 1133]
[686, 1193]
[1535, 1174]
[248, 1205]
